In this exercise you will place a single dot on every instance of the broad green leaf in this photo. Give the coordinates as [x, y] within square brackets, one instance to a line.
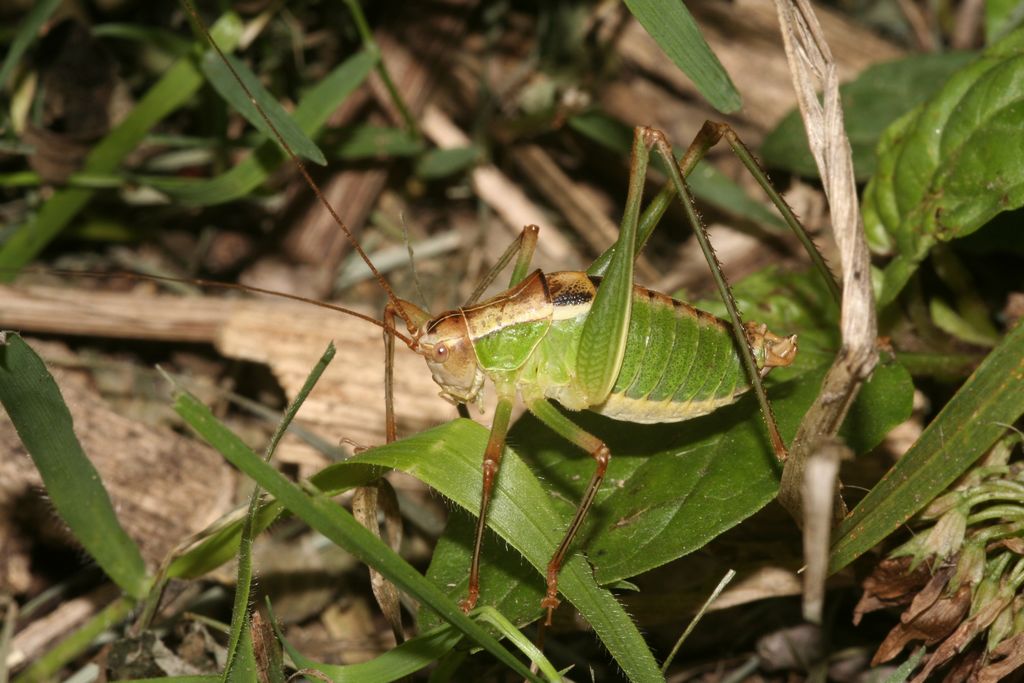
[677, 34]
[1001, 17]
[684, 484]
[963, 431]
[173, 90]
[222, 76]
[35, 406]
[951, 165]
[507, 581]
[338, 525]
[669, 490]
[310, 115]
[448, 459]
[879, 95]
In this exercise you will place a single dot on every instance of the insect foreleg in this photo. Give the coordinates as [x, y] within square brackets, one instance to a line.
[492, 463]
[553, 418]
[390, 429]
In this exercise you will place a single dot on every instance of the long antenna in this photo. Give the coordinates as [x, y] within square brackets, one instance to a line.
[215, 284]
[395, 301]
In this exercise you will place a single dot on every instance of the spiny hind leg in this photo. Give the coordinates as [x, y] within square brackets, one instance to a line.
[709, 136]
[663, 149]
[553, 418]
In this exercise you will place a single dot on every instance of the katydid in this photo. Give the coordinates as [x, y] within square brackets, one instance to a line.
[585, 340]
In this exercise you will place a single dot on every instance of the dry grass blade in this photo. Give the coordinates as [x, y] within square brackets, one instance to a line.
[811, 64]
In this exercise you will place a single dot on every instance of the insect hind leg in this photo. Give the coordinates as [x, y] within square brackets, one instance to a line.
[714, 131]
[662, 148]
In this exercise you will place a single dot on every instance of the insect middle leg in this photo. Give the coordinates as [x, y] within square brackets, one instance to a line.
[553, 418]
[492, 463]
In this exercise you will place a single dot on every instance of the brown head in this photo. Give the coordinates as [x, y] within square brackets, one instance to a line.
[445, 344]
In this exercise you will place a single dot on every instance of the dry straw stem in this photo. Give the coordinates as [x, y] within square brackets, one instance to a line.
[496, 190]
[811, 64]
[819, 500]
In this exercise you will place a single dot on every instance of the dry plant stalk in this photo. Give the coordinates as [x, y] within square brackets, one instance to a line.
[811, 64]
[819, 492]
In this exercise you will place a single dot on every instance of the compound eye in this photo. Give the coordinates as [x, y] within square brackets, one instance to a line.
[440, 353]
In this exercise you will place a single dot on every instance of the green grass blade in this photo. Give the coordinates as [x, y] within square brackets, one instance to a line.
[710, 185]
[159, 38]
[965, 429]
[904, 670]
[35, 406]
[339, 526]
[175, 88]
[222, 78]
[495, 618]
[240, 638]
[404, 660]
[242, 667]
[311, 114]
[26, 33]
[222, 545]
[448, 459]
[677, 34]
[367, 141]
[441, 163]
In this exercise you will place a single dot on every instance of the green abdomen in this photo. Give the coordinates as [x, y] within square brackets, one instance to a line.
[680, 363]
